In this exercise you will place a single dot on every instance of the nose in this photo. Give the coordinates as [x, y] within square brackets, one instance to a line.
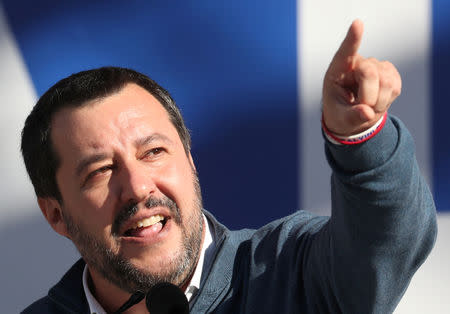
[136, 183]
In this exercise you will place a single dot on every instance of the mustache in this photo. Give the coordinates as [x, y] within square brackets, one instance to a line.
[130, 209]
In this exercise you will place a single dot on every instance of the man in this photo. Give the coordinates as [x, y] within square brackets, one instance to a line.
[109, 157]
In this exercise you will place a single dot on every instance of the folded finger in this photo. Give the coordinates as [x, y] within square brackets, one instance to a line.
[367, 78]
[390, 86]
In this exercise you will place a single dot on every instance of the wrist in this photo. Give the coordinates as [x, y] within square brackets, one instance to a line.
[357, 138]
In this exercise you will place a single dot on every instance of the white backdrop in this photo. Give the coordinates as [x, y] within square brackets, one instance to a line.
[398, 31]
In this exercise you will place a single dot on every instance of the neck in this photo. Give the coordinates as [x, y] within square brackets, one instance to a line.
[109, 295]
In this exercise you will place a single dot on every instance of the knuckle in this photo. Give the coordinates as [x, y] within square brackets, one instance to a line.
[397, 91]
[368, 71]
[387, 65]
[397, 86]
[387, 83]
[390, 78]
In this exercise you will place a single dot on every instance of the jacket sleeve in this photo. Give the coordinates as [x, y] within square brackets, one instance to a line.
[382, 227]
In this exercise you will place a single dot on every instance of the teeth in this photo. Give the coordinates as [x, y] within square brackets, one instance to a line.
[148, 221]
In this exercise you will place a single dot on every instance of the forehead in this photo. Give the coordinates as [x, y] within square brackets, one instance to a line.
[126, 115]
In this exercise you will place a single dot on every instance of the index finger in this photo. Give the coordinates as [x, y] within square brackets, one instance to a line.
[352, 41]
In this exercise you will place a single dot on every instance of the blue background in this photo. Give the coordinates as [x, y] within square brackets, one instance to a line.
[230, 67]
[440, 103]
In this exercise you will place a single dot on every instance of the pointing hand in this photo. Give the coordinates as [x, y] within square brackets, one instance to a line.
[357, 91]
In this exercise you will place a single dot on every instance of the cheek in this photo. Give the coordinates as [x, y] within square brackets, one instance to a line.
[84, 201]
[177, 183]
[94, 209]
[99, 198]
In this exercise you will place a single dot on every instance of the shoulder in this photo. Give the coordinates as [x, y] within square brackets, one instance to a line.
[67, 296]
[43, 305]
[299, 223]
[278, 234]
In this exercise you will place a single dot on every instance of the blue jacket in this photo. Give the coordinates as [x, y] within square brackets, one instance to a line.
[360, 260]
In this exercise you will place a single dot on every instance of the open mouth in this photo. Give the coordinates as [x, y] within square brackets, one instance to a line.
[151, 224]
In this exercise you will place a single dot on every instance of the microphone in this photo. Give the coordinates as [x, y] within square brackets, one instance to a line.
[163, 298]
[166, 298]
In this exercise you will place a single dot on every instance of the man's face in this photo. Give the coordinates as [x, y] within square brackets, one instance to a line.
[130, 197]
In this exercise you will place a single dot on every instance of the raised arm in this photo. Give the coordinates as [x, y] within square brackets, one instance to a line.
[383, 217]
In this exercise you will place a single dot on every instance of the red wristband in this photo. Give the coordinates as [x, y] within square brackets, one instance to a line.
[358, 138]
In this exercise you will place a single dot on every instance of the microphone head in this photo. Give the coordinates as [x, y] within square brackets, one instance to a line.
[166, 298]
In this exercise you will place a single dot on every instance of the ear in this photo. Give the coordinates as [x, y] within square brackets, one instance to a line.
[52, 211]
[192, 162]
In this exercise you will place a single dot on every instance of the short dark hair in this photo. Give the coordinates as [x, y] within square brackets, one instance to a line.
[41, 160]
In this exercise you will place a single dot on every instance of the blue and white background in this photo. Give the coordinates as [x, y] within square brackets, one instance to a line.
[247, 76]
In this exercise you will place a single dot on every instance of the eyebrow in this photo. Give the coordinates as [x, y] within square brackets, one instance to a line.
[87, 161]
[152, 138]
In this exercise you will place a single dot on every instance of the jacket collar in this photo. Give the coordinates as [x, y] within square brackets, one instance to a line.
[68, 293]
[216, 278]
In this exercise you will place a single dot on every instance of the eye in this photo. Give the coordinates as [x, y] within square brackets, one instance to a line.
[97, 172]
[154, 152]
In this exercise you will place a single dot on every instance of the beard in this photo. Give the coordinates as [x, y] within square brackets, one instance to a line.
[120, 271]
